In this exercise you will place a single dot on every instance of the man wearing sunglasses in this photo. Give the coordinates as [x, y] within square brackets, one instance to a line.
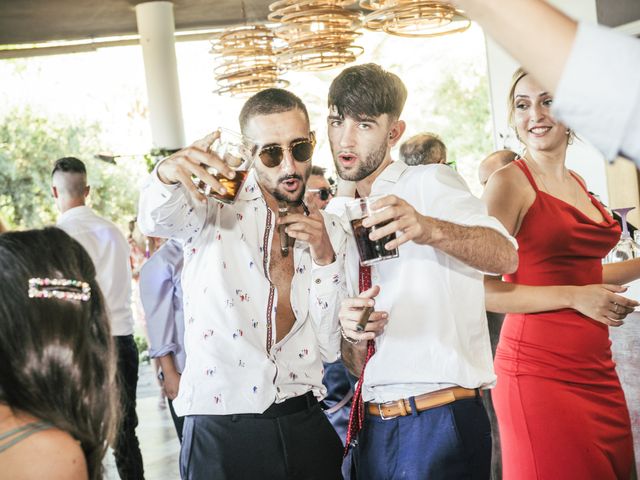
[420, 375]
[260, 303]
[318, 192]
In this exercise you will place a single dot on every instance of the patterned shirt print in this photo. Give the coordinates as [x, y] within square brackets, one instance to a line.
[230, 368]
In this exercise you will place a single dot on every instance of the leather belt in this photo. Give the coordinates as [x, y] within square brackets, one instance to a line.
[402, 407]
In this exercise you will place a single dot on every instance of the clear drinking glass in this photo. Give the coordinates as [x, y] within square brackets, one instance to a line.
[371, 251]
[627, 248]
[238, 152]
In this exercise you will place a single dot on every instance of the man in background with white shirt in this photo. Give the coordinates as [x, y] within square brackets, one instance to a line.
[109, 251]
[423, 416]
[258, 320]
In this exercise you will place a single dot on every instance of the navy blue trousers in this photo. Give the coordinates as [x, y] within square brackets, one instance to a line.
[450, 442]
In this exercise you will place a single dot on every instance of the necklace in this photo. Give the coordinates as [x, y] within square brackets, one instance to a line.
[546, 189]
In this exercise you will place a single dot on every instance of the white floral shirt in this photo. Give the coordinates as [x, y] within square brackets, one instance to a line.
[234, 364]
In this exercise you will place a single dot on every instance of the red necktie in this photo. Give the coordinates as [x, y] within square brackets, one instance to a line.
[356, 417]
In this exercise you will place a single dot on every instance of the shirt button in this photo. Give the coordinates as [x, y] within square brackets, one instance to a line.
[318, 280]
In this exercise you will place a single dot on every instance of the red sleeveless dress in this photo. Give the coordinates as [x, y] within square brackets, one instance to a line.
[561, 410]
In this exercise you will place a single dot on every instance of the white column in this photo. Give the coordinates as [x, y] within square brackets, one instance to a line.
[156, 29]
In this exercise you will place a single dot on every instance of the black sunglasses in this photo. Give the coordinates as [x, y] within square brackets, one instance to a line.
[301, 151]
[324, 193]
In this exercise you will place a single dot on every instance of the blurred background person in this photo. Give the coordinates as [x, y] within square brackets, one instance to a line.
[553, 360]
[109, 251]
[319, 191]
[423, 149]
[58, 404]
[493, 162]
[161, 295]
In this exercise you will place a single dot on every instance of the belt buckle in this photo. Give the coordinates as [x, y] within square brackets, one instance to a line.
[382, 414]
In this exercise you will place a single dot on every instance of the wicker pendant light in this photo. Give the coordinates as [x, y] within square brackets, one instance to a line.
[414, 18]
[246, 60]
[319, 34]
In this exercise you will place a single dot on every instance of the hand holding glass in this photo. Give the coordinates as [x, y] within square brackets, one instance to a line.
[238, 152]
[371, 251]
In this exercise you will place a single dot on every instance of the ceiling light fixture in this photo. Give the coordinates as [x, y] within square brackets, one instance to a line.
[319, 34]
[414, 18]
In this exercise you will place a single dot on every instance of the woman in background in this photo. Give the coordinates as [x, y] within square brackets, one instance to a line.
[57, 388]
[561, 410]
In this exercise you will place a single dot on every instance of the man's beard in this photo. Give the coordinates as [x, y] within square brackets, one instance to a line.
[280, 197]
[366, 167]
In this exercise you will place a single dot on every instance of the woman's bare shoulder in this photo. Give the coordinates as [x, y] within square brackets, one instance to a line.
[53, 454]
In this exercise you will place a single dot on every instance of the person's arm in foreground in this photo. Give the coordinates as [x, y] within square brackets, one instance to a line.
[536, 34]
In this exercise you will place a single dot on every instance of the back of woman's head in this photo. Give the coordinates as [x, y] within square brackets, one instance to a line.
[56, 354]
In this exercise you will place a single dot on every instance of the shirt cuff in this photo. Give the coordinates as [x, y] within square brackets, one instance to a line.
[162, 351]
[604, 118]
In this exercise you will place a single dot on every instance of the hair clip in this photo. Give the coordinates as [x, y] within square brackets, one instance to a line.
[60, 288]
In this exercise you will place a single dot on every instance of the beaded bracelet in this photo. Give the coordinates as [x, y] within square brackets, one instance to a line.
[348, 339]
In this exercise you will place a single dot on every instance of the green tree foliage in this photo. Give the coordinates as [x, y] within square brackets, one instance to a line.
[29, 145]
[458, 109]
[464, 104]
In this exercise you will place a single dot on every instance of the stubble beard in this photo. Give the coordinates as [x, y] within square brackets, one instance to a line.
[365, 168]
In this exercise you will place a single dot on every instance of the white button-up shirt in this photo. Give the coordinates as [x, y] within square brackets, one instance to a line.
[599, 91]
[234, 364]
[109, 251]
[437, 335]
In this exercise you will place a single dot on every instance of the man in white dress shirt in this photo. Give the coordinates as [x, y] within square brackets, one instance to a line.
[109, 251]
[423, 416]
[258, 323]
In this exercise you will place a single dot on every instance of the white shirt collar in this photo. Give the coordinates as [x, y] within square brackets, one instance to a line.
[392, 173]
[74, 212]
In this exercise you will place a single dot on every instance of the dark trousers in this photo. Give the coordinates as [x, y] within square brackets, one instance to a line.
[450, 442]
[127, 448]
[297, 446]
[178, 422]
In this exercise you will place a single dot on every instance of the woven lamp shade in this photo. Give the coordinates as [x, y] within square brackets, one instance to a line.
[247, 61]
[414, 18]
[319, 34]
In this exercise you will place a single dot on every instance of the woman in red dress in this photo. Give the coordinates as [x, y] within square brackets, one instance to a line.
[561, 410]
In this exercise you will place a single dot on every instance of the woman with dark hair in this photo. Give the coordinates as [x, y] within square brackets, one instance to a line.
[561, 410]
[57, 371]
